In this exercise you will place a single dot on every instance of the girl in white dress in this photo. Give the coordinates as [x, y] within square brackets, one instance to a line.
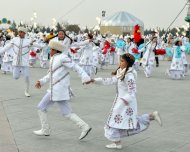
[149, 57]
[65, 40]
[123, 119]
[86, 59]
[7, 58]
[44, 54]
[177, 67]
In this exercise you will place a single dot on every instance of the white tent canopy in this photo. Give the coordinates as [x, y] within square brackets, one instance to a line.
[121, 19]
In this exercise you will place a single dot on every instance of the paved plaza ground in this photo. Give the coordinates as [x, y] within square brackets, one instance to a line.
[18, 115]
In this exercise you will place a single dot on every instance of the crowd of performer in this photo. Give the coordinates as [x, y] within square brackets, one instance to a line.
[93, 52]
[86, 53]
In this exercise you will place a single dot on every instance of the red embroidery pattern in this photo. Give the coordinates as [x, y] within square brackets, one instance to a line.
[118, 119]
[131, 85]
[129, 111]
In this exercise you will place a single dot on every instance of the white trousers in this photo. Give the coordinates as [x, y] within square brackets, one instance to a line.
[18, 70]
[64, 105]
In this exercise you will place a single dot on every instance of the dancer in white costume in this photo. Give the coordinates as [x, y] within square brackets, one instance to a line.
[123, 120]
[177, 68]
[44, 53]
[129, 46]
[86, 59]
[120, 47]
[33, 56]
[7, 58]
[149, 57]
[21, 46]
[1, 45]
[59, 90]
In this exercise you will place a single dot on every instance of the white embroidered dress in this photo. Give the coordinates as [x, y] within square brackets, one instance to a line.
[86, 59]
[148, 58]
[177, 69]
[123, 114]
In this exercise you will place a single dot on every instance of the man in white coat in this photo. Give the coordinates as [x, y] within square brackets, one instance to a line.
[59, 89]
[21, 46]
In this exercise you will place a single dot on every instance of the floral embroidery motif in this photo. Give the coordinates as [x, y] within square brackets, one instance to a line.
[131, 85]
[129, 111]
[118, 119]
[130, 123]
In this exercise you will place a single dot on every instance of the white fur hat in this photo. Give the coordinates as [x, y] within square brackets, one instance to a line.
[23, 29]
[56, 45]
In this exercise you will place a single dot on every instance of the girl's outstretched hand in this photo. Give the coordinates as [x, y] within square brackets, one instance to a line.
[91, 81]
[38, 85]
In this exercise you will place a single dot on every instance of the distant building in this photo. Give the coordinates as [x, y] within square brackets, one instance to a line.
[121, 23]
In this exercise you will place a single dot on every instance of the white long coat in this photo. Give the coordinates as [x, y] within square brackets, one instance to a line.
[8, 56]
[122, 116]
[87, 52]
[149, 55]
[21, 48]
[59, 77]
[129, 47]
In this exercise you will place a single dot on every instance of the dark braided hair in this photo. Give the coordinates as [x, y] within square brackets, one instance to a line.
[71, 41]
[129, 58]
[90, 36]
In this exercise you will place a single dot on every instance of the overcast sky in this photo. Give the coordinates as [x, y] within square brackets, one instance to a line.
[154, 13]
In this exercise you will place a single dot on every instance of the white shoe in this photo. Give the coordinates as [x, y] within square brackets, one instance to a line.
[146, 74]
[114, 146]
[85, 132]
[157, 117]
[42, 132]
[27, 94]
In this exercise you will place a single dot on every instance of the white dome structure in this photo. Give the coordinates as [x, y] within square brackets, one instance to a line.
[120, 23]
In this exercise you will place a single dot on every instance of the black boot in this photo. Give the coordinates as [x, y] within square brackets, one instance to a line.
[157, 61]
